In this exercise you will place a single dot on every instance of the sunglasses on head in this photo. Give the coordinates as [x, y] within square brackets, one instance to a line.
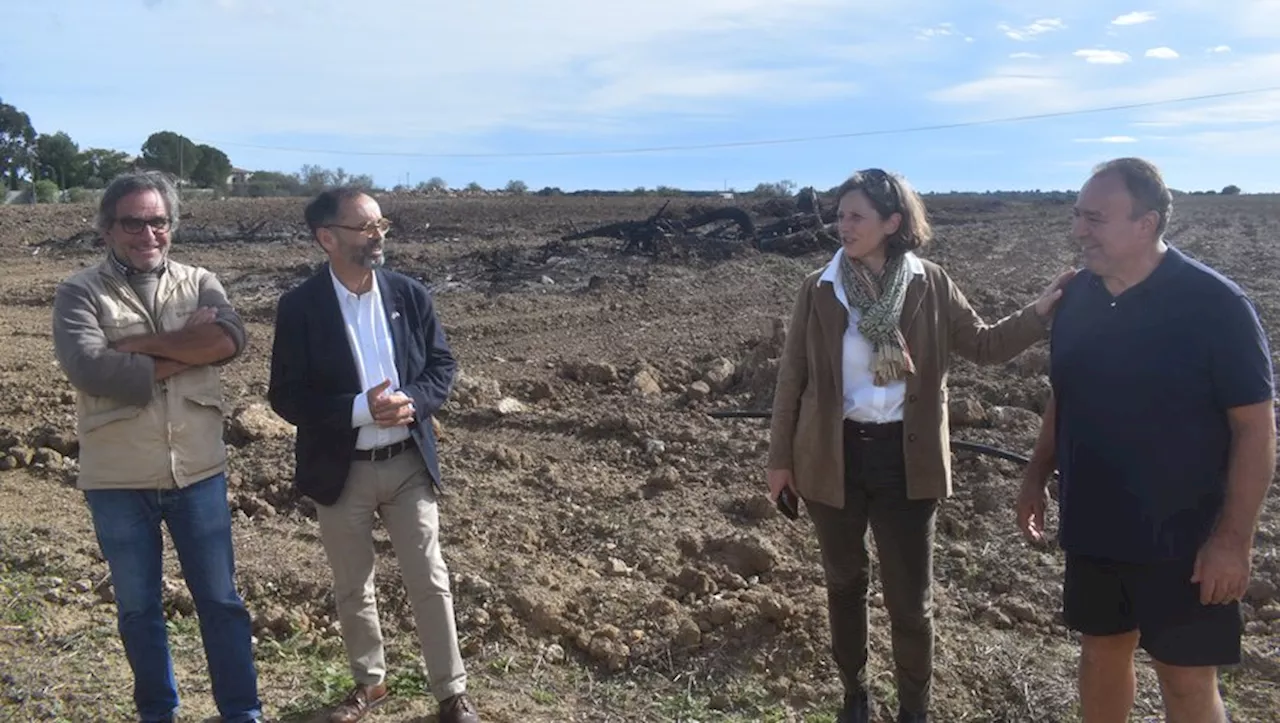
[882, 189]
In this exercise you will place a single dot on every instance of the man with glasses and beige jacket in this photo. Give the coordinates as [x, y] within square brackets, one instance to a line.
[140, 337]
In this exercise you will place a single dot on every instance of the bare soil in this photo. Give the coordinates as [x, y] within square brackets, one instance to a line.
[613, 553]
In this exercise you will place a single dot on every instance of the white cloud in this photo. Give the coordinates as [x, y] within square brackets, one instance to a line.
[1039, 27]
[1108, 139]
[1024, 56]
[1220, 49]
[1245, 110]
[671, 87]
[1162, 53]
[1065, 87]
[937, 31]
[1102, 57]
[1251, 143]
[1230, 19]
[995, 86]
[1234, 19]
[1134, 18]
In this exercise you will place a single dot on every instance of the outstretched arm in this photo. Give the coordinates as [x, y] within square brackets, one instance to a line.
[975, 340]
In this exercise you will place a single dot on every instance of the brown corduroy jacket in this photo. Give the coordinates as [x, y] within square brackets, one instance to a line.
[806, 434]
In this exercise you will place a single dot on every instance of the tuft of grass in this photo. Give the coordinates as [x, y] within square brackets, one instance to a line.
[325, 684]
[544, 697]
[737, 704]
[21, 605]
[410, 683]
[319, 667]
[501, 666]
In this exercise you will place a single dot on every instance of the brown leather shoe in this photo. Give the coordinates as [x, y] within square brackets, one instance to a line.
[458, 709]
[358, 703]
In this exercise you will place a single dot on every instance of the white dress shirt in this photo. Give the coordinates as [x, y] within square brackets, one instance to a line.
[375, 358]
[863, 400]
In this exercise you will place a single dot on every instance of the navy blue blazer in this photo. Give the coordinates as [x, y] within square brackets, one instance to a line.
[314, 380]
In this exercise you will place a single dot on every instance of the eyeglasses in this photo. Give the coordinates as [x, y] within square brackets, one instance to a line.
[370, 229]
[158, 224]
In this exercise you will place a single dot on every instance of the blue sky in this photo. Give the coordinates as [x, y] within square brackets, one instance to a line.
[419, 88]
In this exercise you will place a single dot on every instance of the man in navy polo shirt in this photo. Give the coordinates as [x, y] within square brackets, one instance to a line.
[1160, 424]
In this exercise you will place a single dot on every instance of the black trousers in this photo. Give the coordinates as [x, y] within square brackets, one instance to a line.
[875, 497]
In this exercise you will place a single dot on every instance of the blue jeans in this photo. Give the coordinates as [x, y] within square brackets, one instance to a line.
[127, 524]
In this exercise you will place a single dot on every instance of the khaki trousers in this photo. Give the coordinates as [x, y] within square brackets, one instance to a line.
[399, 491]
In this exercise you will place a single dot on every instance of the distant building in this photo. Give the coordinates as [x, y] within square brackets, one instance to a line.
[239, 176]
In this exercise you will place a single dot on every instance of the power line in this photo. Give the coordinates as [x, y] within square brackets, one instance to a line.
[764, 142]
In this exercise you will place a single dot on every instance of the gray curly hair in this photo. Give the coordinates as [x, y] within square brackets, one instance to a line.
[132, 182]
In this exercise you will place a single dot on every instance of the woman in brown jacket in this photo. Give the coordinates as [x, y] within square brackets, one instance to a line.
[859, 427]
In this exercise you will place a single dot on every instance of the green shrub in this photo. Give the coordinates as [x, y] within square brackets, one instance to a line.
[82, 195]
[47, 191]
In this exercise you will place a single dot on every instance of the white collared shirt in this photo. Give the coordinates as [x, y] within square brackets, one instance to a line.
[863, 400]
[375, 358]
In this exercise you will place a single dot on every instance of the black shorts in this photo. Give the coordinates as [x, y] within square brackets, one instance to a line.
[1104, 597]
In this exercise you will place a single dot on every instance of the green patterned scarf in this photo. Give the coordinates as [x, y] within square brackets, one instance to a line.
[879, 299]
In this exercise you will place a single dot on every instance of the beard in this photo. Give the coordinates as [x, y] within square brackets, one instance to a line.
[368, 257]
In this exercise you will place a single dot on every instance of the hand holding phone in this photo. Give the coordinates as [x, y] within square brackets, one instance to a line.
[782, 489]
[789, 503]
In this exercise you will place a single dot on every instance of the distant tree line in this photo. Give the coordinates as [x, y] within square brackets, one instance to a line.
[54, 161]
[50, 163]
[1232, 190]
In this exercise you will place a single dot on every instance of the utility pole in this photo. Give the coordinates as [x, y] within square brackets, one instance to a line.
[34, 161]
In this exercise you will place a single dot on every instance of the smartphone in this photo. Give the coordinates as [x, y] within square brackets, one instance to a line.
[789, 503]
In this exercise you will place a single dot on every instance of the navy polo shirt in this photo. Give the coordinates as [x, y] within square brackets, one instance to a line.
[1142, 383]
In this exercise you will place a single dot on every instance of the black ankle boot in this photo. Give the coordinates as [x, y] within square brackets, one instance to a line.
[857, 709]
[909, 717]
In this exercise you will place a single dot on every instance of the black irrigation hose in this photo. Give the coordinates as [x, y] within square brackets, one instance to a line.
[956, 444]
[959, 444]
[740, 414]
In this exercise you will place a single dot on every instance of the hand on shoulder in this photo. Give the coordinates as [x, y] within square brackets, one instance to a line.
[1048, 300]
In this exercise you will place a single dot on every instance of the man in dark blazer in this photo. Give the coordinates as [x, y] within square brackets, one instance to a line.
[359, 365]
